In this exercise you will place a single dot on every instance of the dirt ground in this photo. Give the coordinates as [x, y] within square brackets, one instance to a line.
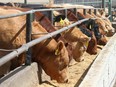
[76, 73]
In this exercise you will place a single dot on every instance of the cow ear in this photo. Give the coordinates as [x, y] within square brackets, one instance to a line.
[59, 48]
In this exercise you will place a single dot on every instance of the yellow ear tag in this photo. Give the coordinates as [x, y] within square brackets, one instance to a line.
[57, 52]
[86, 44]
[90, 27]
[61, 21]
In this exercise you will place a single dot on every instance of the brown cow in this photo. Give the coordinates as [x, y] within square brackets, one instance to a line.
[99, 20]
[101, 25]
[52, 56]
[76, 38]
[105, 22]
[45, 23]
[92, 46]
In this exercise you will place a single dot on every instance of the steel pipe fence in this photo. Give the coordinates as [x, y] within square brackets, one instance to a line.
[26, 47]
[96, 3]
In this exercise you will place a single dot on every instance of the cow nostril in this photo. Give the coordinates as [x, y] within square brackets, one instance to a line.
[82, 60]
[66, 81]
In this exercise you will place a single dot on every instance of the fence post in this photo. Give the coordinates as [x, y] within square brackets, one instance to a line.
[65, 12]
[25, 1]
[103, 4]
[28, 37]
[110, 9]
[89, 11]
[84, 11]
[52, 17]
[75, 11]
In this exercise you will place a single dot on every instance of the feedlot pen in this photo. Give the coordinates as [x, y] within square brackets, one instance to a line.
[29, 77]
[76, 72]
[78, 75]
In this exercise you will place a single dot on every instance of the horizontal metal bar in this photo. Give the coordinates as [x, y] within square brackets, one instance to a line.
[32, 11]
[25, 47]
[90, 2]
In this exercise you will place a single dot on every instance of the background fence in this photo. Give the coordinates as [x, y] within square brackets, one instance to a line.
[96, 3]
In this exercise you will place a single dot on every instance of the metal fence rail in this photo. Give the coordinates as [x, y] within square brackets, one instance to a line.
[96, 3]
[33, 11]
[25, 47]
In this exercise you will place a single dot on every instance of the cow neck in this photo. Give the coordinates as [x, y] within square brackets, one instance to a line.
[79, 15]
[41, 17]
[69, 12]
[94, 28]
[46, 42]
[84, 29]
[71, 15]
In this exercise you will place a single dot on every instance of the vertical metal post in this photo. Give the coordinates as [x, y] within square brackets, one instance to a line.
[110, 9]
[103, 4]
[95, 11]
[65, 12]
[28, 37]
[89, 11]
[84, 11]
[25, 1]
[51, 17]
[75, 11]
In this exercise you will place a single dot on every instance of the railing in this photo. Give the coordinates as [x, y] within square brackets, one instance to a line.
[26, 47]
[96, 3]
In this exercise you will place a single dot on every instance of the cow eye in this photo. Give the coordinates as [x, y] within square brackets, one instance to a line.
[107, 26]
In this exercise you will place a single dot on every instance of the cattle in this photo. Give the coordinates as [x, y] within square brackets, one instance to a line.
[51, 55]
[44, 21]
[101, 26]
[96, 32]
[92, 46]
[76, 38]
[76, 54]
[105, 22]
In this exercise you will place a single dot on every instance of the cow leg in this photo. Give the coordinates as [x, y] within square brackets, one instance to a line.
[40, 74]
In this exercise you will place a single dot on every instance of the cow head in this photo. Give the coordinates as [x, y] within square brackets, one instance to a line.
[109, 27]
[79, 43]
[52, 56]
[99, 32]
[54, 60]
[58, 67]
[92, 45]
[79, 49]
[61, 21]
[71, 16]
[101, 25]
[103, 40]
